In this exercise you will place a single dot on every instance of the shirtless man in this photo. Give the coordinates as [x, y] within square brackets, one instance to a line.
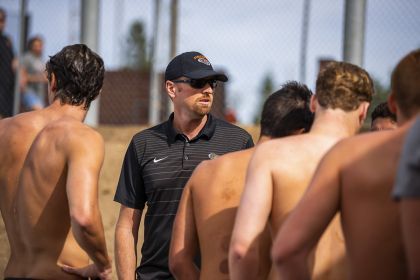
[49, 177]
[344, 182]
[280, 170]
[209, 201]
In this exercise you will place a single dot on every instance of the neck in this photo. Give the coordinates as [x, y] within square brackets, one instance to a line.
[188, 126]
[335, 123]
[263, 138]
[403, 119]
[56, 109]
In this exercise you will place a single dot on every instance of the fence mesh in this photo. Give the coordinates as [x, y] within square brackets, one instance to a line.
[253, 42]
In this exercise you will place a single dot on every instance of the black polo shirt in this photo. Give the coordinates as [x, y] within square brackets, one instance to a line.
[157, 165]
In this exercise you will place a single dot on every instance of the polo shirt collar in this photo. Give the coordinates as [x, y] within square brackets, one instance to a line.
[206, 132]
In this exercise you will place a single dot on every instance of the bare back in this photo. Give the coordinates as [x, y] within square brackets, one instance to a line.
[216, 191]
[16, 137]
[369, 215]
[292, 162]
[38, 201]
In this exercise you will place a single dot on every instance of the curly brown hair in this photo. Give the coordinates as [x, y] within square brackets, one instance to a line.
[344, 86]
[405, 84]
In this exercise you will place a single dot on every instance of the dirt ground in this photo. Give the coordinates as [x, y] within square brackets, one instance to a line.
[116, 142]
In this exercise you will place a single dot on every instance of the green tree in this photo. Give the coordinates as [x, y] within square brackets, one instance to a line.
[137, 57]
[267, 87]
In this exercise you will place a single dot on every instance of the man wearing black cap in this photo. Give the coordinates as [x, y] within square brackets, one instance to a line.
[159, 161]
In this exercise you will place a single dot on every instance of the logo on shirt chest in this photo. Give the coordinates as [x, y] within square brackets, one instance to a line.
[213, 156]
[156, 160]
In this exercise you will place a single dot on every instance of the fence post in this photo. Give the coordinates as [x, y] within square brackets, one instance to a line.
[354, 31]
[89, 36]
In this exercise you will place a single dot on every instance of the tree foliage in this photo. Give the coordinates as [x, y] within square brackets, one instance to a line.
[267, 87]
[137, 47]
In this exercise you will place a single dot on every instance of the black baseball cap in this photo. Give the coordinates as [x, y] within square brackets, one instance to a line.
[192, 65]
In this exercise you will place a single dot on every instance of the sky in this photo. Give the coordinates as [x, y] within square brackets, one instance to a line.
[247, 39]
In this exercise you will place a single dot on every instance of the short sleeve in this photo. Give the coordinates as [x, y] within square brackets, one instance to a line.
[407, 183]
[249, 143]
[130, 189]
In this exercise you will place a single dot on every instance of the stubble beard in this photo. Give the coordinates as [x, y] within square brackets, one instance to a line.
[201, 110]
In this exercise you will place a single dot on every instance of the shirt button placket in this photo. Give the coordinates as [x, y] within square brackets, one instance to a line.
[185, 155]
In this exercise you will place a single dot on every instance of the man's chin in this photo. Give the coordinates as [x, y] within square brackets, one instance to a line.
[202, 111]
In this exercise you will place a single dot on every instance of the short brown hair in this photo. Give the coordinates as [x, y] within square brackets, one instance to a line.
[405, 84]
[79, 73]
[344, 86]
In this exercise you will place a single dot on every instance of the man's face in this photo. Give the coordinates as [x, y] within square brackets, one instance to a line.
[197, 101]
[37, 47]
[383, 124]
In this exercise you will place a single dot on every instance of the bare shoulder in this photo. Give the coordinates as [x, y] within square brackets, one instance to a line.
[283, 144]
[70, 135]
[23, 120]
[286, 147]
[359, 144]
[20, 127]
[222, 162]
[220, 167]
[76, 131]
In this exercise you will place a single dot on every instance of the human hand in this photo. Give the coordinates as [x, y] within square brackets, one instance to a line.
[90, 271]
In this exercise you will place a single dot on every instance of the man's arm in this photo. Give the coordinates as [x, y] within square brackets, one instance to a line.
[251, 219]
[126, 237]
[184, 242]
[410, 218]
[131, 194]
[302, 229]
[85, 158]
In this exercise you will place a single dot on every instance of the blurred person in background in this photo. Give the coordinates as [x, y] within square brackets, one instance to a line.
[50, 165]
[207, 210]
[34, 93]
[160, 160]
[383, 118]
[7, 70]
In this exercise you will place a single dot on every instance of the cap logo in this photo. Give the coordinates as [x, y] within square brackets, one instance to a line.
[202, 59]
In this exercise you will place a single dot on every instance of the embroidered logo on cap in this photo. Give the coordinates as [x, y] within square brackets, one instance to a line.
[202, 59]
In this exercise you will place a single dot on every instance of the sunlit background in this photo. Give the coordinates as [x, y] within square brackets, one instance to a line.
[257, 43]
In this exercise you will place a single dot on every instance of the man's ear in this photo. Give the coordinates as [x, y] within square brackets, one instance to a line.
[313, 104]
[298, 131]
[170, 89]
[363, 110]
[53, 83]
[392, 104]
[52, 88]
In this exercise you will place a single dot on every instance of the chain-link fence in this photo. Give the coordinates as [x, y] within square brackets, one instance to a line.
[251, 41]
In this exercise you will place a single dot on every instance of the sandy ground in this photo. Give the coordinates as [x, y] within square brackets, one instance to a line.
[116, 142]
